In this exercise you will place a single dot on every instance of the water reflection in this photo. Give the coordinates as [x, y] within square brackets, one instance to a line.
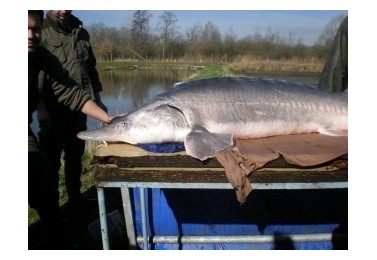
[124, 90]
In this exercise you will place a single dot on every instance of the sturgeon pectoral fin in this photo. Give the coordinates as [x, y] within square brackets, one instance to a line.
[333, 132]
[202, 144]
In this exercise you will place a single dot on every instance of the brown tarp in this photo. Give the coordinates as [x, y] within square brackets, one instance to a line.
[247, 156]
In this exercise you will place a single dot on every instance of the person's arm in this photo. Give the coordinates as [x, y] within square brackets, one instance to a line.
[68, 93]
[98, 100]
[92, 109]
[79, 99]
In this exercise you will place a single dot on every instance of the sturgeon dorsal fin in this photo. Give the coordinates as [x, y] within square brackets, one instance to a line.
[202, 144]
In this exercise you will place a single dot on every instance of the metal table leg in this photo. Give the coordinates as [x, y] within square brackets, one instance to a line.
[103, 220]
[127, 209]
[143, 217]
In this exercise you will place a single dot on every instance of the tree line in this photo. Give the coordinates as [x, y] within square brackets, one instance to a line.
[199, 43]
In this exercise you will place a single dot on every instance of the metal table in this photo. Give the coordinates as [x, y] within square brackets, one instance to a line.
[125, 166]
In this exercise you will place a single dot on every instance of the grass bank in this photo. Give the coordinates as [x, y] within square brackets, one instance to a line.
[251, 64]
[243, 65]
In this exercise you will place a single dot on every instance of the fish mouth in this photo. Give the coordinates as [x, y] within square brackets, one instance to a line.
[83, 136]
[92, 135]
[102, 135]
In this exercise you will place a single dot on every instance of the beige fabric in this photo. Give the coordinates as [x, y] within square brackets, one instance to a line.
[301, 150]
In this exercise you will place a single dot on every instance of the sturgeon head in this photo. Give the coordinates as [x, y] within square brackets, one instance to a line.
[153, 123]
[160, 122]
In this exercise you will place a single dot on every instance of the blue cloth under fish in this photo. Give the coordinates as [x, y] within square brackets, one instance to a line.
[163, 148]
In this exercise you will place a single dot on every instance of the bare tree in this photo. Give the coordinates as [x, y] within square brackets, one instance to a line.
[229, 45]
[123, 40]
[199, 42]
[167, 29]
[329, 32]
[193, 40]
[106, 49]
[271, 37]
[211, 33]
[140, 29]
[192, 33]
[96, 32]
[211, 40]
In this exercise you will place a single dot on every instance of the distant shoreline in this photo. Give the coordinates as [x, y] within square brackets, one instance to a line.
[244, 65]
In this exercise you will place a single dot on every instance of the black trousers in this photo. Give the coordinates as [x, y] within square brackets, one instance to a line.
[59, 135]
[41, 194]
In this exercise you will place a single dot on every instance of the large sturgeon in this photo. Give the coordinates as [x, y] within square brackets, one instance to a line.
[208, 114]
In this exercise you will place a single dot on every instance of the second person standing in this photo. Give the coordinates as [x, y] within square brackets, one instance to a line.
[64, 36]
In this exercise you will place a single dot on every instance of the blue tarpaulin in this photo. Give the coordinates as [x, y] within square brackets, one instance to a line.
[163, 148]
[177, 212]
[202, 212]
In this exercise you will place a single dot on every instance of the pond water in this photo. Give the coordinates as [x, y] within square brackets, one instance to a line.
[124, 90]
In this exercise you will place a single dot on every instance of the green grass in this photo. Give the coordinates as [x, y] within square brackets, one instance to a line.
[241, 65]
[32, 216]
[127, 64]
[212, 70]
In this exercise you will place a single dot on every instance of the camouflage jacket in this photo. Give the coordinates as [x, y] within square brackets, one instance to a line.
[63, 89]
[72, 47]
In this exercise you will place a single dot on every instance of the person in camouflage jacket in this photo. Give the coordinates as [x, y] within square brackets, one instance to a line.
[64, 36]
[41, 196]
[334, 76]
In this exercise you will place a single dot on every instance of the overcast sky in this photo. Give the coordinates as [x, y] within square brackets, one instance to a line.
[305, 25]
